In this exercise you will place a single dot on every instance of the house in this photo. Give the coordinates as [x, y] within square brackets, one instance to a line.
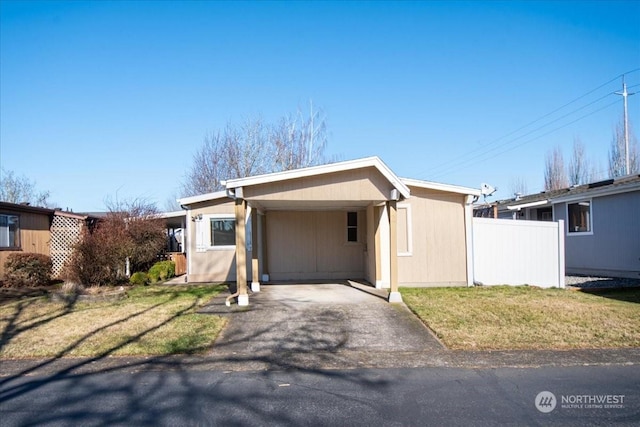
[31, 229]
[601, 219]
[348, 220]
[175, 223]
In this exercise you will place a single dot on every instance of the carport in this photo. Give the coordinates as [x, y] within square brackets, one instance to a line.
[329, 222]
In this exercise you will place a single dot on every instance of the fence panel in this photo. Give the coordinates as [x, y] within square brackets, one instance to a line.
[516, 252]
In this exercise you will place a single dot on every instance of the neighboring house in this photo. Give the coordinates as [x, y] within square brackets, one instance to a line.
[601, 219]
[349, 220]
[175, 250]
[29, 229]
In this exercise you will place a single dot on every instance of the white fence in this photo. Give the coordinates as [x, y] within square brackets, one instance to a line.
[515, 252]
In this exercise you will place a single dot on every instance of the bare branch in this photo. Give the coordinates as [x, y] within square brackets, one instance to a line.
[580, 168]
[518, 185]
[555, 177]
[20, 189]
[617, 160]
[254, 148]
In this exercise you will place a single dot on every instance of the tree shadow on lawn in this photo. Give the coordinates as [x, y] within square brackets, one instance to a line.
[10, 294]
[171, 389]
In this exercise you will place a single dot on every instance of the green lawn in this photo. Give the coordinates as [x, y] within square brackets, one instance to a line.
[502, 317]
[153, 320]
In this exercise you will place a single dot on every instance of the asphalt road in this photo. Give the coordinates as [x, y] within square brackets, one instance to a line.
[373, 397]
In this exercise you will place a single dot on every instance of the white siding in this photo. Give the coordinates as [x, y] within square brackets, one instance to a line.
[507, 252]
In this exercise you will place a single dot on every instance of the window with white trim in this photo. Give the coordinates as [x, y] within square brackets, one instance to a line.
[579, 217]
[9, 231]
[222, 232]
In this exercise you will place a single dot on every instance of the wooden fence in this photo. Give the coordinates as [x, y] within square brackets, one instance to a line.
[181, 262]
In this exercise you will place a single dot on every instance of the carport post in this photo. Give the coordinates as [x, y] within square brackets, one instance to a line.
[394, 295]
[241, 251]
[255, 268]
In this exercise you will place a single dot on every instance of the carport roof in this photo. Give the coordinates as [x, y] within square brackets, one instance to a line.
[324, 169]
[401, 184]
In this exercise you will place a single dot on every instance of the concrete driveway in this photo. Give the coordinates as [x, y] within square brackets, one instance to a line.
[321, 326]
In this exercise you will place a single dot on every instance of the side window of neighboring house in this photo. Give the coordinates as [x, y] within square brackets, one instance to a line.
[223, 232]
[352, 226]
[545, 214]
[579, 217]
[9, 231]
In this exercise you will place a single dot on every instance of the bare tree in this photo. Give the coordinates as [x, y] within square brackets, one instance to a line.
[254, 147]
[300, 141]
[171, 203]
[617, 154]
[20, 189]
[581, 171]
[518, 185]
[555, 177]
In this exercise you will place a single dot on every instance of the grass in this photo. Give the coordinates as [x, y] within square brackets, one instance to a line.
[502, 317]
[153, 320]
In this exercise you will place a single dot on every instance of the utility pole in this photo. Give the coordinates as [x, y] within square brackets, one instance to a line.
[625, 95]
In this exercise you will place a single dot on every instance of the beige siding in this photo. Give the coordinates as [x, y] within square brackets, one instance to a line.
[308, 245]
[403, 229]
[356, 185]
[370, 251]
[34, 235]
[439, 244]
[211, 265]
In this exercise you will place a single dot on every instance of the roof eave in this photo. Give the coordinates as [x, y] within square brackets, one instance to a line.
[187, 201]
[598, 192]
[430, 185]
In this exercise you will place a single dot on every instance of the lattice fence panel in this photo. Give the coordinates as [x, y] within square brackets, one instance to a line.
[65, 232]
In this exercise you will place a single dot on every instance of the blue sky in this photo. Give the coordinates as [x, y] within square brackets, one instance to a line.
[111, 99]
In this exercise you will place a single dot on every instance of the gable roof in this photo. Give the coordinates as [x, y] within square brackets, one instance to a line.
[321, 170]
[430, 185]
[595, 189]
[186, 201]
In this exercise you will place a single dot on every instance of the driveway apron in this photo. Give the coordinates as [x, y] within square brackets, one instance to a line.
[319, 325]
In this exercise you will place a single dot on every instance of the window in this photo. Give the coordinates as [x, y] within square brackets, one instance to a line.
[545, 214]
[352, 226]
[579, 217]
[223, 232]
[9, 231]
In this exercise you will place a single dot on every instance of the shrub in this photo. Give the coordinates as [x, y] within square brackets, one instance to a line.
[27, 269]
[162, 270]
[96, 260]
[131, 230]
[139, 278]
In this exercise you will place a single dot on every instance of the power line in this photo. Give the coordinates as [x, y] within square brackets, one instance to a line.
[483, 148]
[484, 151]
[547, 124]
[481, 156]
